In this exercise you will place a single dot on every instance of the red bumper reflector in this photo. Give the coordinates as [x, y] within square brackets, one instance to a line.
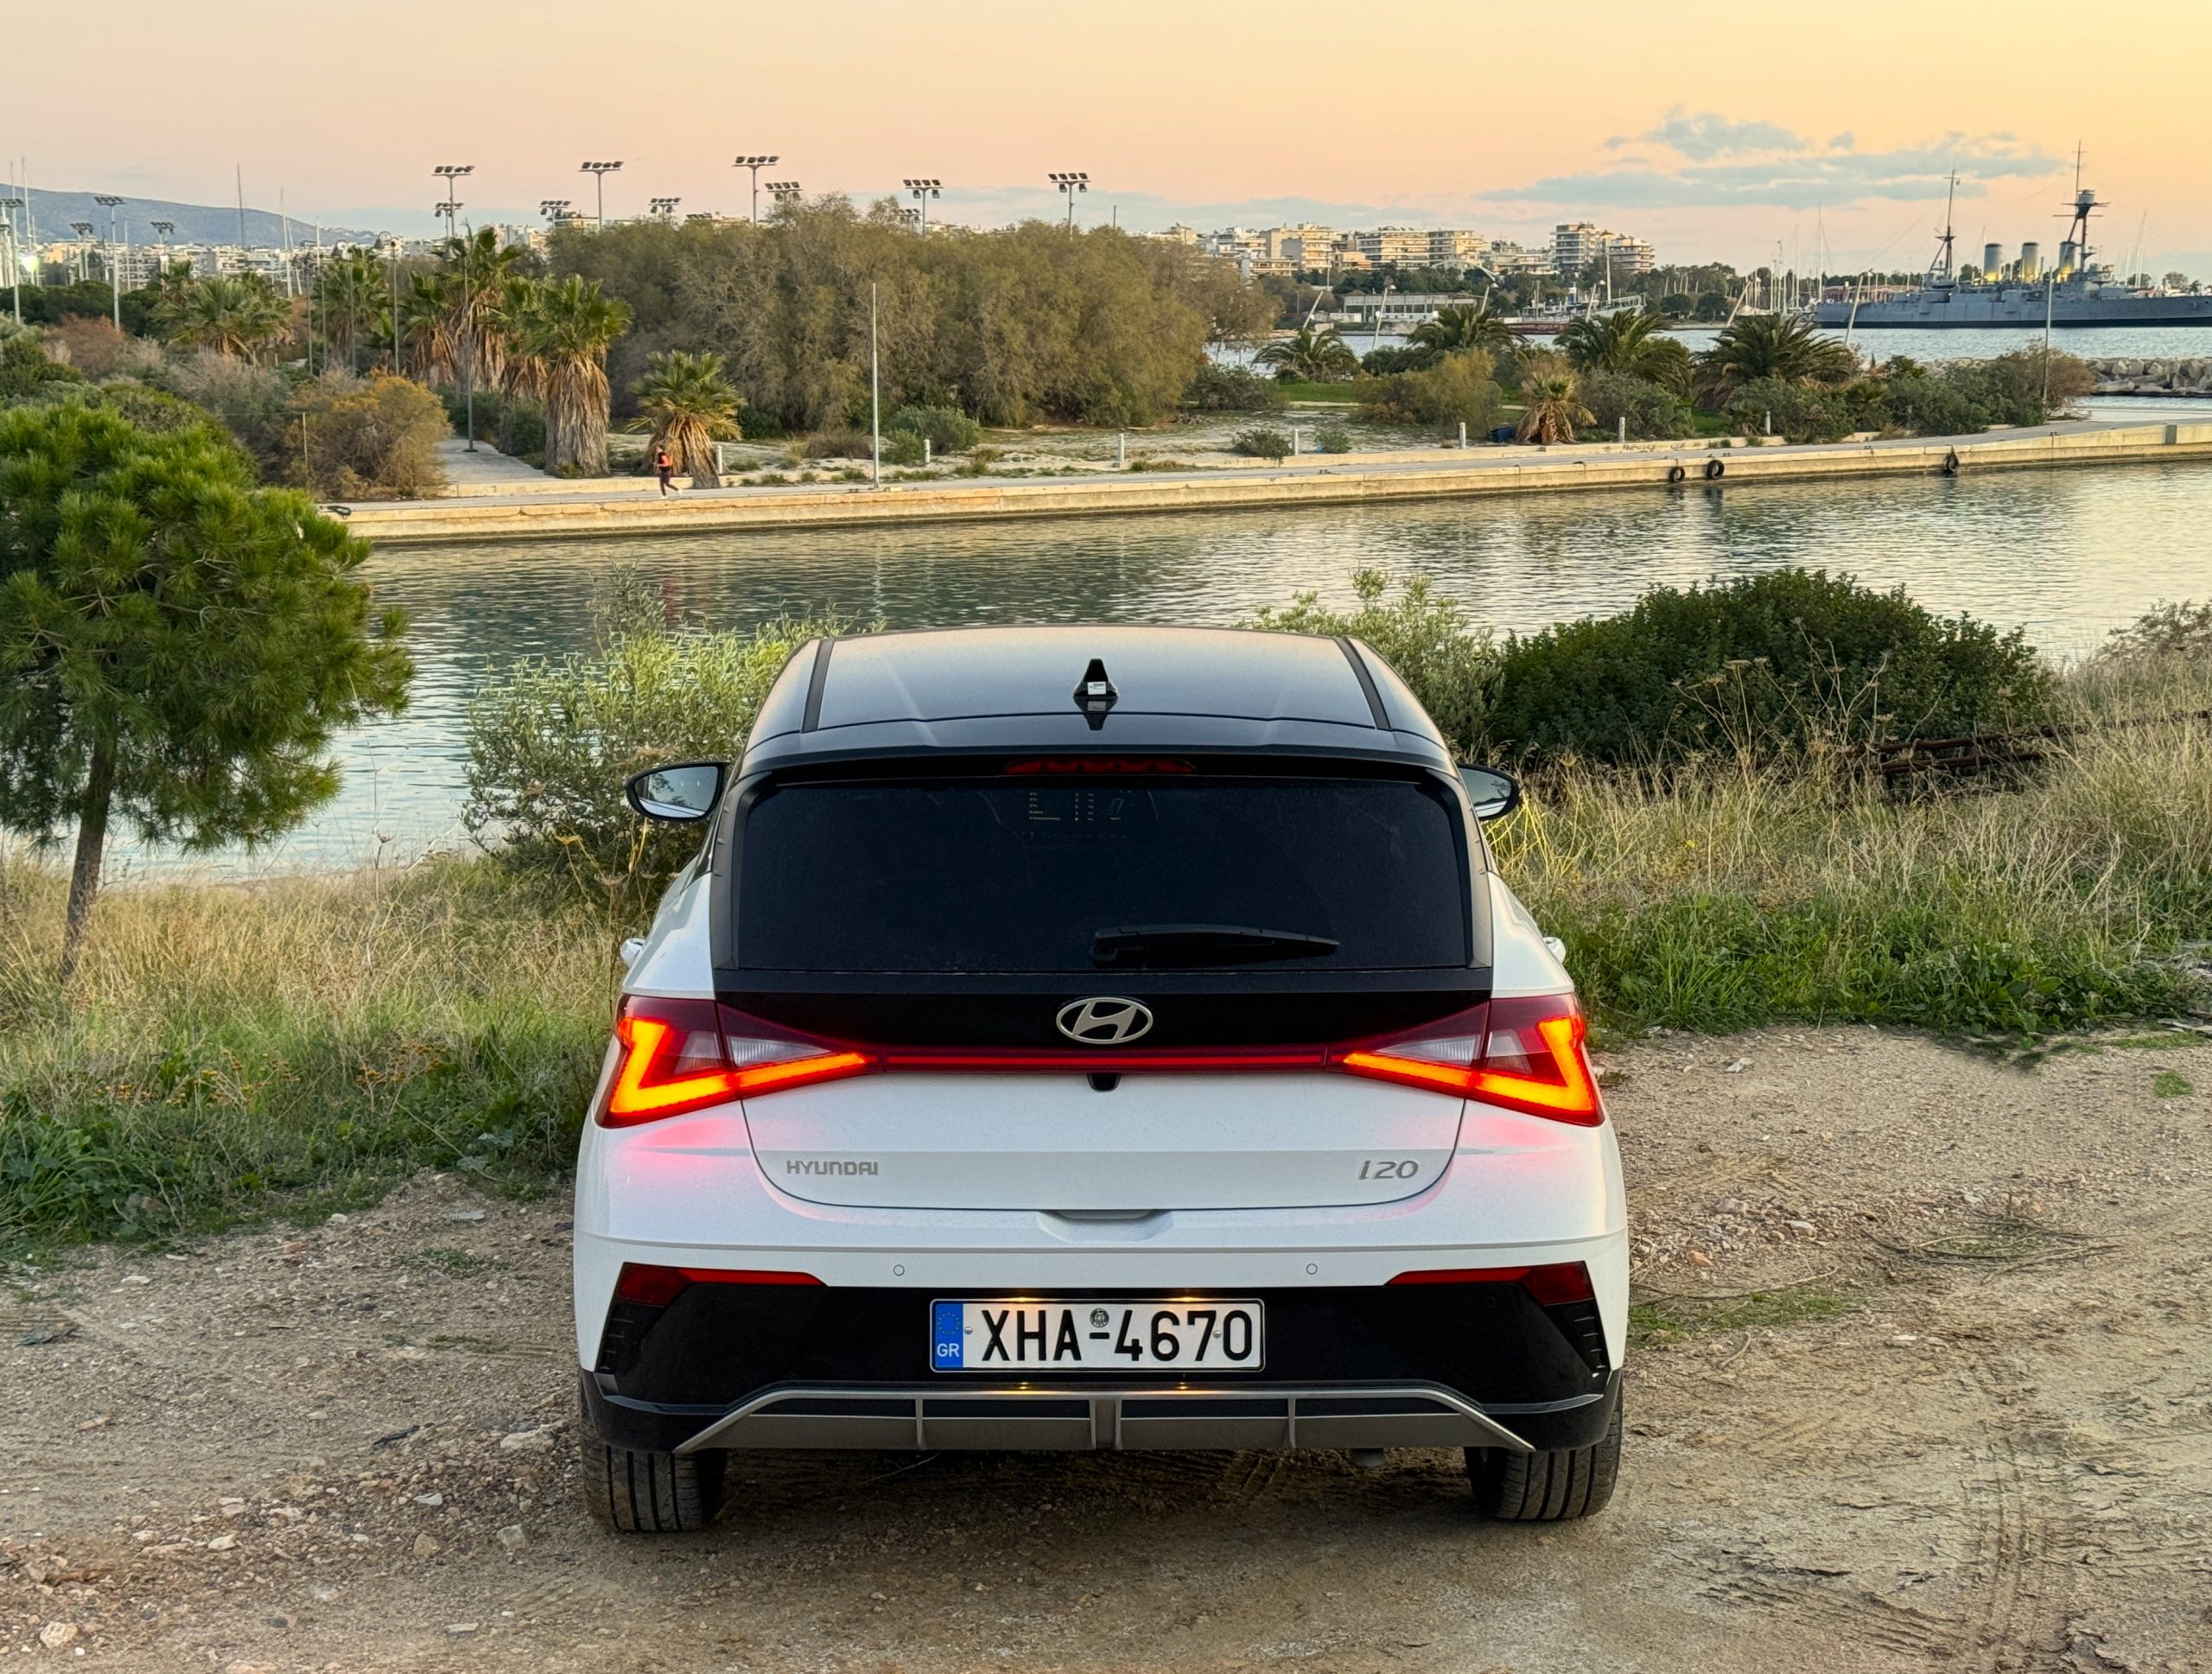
[657, 1286]
[1560, 1282]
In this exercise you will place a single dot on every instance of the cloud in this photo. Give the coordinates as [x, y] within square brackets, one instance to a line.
[1725, 164]
[1705, 137]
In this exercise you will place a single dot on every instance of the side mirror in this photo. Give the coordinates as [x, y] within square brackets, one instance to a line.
[1495, 795]
[686, 791]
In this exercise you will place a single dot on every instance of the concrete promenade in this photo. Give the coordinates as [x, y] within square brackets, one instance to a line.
[500, 505]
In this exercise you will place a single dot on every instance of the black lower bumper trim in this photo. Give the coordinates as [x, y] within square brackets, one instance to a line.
[924, 1417]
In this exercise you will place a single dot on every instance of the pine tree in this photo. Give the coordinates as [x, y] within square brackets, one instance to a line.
[176, 645]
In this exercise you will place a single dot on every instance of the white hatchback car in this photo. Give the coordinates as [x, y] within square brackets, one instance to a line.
[1095, 1037]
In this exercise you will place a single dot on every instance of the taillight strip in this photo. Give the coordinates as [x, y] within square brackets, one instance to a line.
[1551, 1284]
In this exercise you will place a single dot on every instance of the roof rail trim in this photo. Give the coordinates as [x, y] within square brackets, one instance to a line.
[815, 681]
[1366, 681]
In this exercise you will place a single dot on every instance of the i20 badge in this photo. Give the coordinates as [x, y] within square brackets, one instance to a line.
[1104, 1021]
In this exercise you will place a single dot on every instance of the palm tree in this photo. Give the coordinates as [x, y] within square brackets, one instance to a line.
[426, 328]
[236, 317]
[522, 373]
[1460, 325]
[1772, 346]
[1311, 356]
[690, 406]
[566, 329]
[350, 301]
[1609, 342]
[1552, 397]
[476, 269]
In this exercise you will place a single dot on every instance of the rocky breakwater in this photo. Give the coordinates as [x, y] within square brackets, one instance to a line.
[2182, 375]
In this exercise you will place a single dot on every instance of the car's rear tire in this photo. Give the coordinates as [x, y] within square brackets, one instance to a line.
[650, 1494]
[1547, 1487]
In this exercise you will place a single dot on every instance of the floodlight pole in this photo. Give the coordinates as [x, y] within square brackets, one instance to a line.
[114, 273]
[756, 164]
[453, 171]
[922, 191]
[599, 172]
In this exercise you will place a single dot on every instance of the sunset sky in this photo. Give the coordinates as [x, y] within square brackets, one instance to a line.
[1741, 128]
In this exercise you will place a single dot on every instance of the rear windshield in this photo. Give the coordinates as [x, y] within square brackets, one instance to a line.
[993, 876]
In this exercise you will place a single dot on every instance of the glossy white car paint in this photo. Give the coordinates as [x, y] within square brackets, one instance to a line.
[710, 1188]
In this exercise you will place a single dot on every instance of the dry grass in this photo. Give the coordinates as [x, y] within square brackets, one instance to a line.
[231, 1049]
[223, 1042]
[2058, 900]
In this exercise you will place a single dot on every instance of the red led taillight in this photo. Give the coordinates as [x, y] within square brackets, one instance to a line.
[657, 1286]
[1554, 1285]
[681, 1055]
[1525, 1054]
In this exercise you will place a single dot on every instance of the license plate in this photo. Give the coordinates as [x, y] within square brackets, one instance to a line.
[1097, 1336]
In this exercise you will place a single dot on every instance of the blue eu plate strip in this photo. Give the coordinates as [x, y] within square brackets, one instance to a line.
[947, 1343]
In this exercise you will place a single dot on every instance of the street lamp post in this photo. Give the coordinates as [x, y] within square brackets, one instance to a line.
[1070, 185]
[168, 230]
[84, 232]
[785, 192]
[15, 256]
[922, 191]
[599, 172]
[450, 172]
[756, 164]
[114, 274]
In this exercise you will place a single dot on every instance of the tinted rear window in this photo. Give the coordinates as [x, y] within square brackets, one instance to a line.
[992, 875]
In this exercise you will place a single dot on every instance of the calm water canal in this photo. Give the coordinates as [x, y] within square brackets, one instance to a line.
[2069, 554]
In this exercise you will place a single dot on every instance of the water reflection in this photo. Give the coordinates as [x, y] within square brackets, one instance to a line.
[2069, 554]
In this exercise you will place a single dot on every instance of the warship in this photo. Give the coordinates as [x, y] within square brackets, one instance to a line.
[2077, 291]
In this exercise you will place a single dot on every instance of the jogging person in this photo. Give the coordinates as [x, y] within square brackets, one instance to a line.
[664, 468]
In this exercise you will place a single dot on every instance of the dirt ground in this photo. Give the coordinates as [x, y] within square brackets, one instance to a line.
[1924, 1380]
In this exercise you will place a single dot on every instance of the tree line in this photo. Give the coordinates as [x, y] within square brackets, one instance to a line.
[1015, 326]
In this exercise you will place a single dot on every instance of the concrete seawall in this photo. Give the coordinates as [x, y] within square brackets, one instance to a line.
[1331, 481]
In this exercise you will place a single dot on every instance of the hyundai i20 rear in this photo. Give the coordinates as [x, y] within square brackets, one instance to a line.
[1095, 1038]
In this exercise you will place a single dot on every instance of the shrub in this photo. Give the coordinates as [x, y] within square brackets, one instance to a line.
[2180, 631]
[1653, 414]
[1761, 665]
[838, 444]
[1332, 439]
[948, 429]
[249, 400]
[522, 431]
[373, 439]
[1262, 442]
[1216, 389]
[1456, 390]
[1448, 661]
[91, 344]
[903, 447]
[552, 744]
[26, 369]
[1380, 362]
[1799, 412]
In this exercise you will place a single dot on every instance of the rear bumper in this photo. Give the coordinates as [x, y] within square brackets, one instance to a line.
[1480, 1364]
[1083, 1418]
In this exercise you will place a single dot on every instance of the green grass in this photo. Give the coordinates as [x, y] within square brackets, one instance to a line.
[1746, 895]
[228, 1052]
[232, 1052]
[2172, 1085]
[1658, 1321]
[1334, 395]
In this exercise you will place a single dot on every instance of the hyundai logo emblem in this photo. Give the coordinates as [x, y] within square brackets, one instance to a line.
[1104, 1021]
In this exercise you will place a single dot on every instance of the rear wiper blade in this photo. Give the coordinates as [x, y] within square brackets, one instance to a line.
[1201, 945]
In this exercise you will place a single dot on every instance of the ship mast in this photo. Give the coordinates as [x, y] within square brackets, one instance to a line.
[2078, 234]
[1940, 270]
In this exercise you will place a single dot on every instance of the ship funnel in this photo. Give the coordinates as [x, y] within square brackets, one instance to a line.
[1992, 261]
[2031, 263]
[2069, 257]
